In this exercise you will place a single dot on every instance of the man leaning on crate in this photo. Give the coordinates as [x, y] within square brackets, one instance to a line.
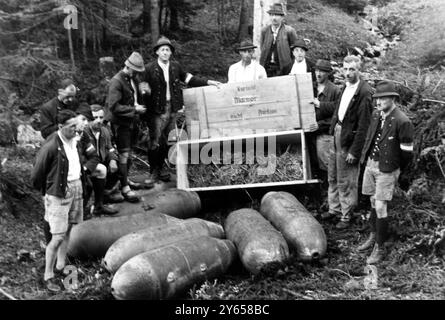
[388, 149]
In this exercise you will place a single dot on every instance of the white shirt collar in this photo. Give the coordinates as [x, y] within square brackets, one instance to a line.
[352, 86]
[163, 65]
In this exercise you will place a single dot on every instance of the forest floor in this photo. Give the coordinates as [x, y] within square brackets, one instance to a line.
[412, 270]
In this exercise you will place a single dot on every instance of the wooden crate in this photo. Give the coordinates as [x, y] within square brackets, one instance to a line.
[188, 152]
[273, 104]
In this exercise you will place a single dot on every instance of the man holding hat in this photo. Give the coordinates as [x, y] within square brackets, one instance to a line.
[64, 100]
[246, 69]
[388, 149]
[275, 42]
[124, 107]
[165, 78]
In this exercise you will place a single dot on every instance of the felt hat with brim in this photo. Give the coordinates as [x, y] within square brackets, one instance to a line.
[299, 44]
[276, 8]
[85, 110]
[385, 89]
[135, 62]
[163, 41]
[323, 65]
[245, 45]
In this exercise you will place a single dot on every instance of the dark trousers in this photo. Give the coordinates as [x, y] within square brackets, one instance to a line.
[272, 70]
[159, 126]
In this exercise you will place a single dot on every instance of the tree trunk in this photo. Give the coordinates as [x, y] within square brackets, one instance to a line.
[174, 19]
[146, 15]
[104, 29]
[243, 30]
[70, 44]
[154, 13]
[261, 19]
[84, 39]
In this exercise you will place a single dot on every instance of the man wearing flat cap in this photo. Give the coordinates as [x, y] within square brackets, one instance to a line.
[388, 149]
[165, 78]
[246, 69]
[64, 100]
[275, 42]
[125, 105]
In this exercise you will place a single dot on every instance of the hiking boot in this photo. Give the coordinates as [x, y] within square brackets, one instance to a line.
[130, 196]
[327, 215]
[368, 242]
[343, 225]
[52, 284]
[154, 178]
[164, 175]
[104, 210]
[377, 255]
[115, 197]
[135, 185]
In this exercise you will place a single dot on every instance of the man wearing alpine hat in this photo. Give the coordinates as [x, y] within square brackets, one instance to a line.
[275, 42]
[165, 77]
[388, 149]
[247, 69]
[125, 104]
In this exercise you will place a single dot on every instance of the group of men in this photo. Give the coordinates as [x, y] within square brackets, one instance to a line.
[79, 146]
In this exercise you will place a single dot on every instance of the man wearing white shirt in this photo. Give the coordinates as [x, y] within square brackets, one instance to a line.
[300, 64]
[165, 78]
[246, 69]
[58, 174]
[349, 125]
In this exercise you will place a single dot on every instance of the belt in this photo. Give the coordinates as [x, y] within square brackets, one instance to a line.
[339, 123]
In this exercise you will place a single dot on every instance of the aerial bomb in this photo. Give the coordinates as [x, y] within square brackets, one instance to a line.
[300, 229]
[168, 271]
[257, 241]
[92, 238]
[151, 238]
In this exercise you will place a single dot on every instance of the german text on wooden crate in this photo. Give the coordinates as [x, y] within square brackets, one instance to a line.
[276, 104]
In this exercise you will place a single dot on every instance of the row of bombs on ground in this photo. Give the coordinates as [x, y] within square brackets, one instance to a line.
[156, 249]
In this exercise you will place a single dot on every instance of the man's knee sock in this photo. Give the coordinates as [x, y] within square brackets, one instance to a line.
[112, 178]
[129, 163]
[382, 230]
[153, 159]
[123, 170]
[98, 187]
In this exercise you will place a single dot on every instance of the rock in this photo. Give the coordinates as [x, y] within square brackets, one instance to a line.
[28, 137]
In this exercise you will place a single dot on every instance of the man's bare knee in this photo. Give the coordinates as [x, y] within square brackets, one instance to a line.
[123, 157]
[100, 172]
[381, 208]
[57, 239]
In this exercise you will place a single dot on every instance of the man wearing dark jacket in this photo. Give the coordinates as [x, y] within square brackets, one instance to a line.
[327, 96]
[164, 78]
[64, 100]
[124, 107]
[99, 157]
[349, 125]
[58, 174]
[388, 149]
[275, 43]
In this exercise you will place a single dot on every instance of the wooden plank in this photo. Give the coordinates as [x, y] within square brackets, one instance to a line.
[254, 185]
[305, 96]
[292, 136]
[265, 104]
